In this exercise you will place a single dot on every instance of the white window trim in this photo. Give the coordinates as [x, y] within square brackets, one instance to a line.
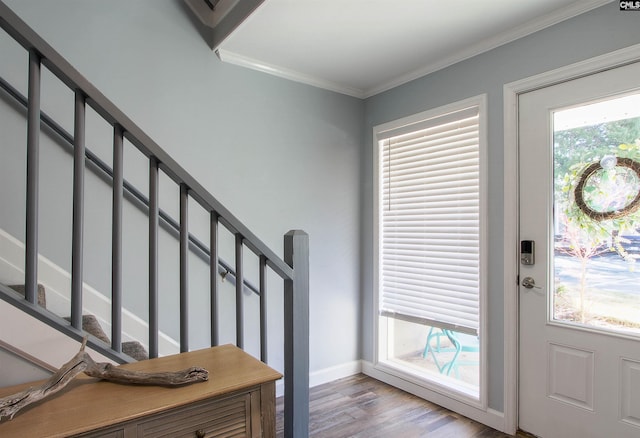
[429, 389]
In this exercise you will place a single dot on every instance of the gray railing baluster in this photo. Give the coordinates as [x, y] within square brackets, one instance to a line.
[263, 309]
[239, 290]
[184, 268]
[213, 271]
[116, 240]
[153, 257]
[296, 335]
[78, 210]
[33, 158]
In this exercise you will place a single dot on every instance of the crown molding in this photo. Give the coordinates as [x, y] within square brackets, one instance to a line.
[292, 75]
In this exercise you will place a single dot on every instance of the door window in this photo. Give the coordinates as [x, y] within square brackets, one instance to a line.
[597, 215]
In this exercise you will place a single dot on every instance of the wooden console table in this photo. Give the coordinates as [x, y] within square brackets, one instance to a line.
[237, 400]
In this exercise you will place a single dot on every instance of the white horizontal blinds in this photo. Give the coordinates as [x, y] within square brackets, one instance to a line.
[430, 221]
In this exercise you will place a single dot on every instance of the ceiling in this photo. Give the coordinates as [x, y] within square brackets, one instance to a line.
[363, 47]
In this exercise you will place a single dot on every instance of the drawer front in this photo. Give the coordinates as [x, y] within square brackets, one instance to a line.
[111, 433]
[227, 417]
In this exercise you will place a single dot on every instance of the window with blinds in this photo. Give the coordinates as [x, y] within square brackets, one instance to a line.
[429, 234]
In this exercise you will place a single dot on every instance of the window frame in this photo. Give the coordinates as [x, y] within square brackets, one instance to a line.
[380, 363]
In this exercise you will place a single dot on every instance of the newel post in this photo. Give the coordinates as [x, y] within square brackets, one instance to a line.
[296, 336]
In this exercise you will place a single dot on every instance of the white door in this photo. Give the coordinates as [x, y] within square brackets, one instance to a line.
[579, 188]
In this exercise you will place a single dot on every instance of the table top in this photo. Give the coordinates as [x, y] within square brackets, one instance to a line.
[88, 404]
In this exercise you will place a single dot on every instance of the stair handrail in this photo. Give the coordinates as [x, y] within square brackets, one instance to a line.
[293, 268]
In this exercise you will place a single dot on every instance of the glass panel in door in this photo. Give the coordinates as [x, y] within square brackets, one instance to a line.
[596, 215]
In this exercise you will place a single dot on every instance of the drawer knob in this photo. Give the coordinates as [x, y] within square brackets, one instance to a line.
[200, 433]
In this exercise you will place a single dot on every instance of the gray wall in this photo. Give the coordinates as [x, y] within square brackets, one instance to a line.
[594, 33]
[278, 154]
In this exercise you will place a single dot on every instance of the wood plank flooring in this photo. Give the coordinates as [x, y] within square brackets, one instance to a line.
[362, 407]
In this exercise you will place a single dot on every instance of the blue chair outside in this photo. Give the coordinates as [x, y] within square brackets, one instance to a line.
[460, 343]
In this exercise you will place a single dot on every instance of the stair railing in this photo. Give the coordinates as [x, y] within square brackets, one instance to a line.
[100, 168]
[293, 269]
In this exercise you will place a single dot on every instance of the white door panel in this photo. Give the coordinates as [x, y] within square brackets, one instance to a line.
[578, 376]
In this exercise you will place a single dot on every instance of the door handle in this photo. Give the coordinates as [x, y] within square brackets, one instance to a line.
[529, 283]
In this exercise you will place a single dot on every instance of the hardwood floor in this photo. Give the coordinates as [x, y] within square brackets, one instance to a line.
[359, 406]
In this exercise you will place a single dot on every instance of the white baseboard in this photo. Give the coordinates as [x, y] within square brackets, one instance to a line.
[326, 375]
[57, 283]
[490, 417]
[336, 372]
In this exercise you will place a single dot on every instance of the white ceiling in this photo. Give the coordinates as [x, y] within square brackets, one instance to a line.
[363, 47]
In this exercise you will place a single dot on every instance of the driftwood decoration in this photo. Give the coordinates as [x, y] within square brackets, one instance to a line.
[82, 362]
